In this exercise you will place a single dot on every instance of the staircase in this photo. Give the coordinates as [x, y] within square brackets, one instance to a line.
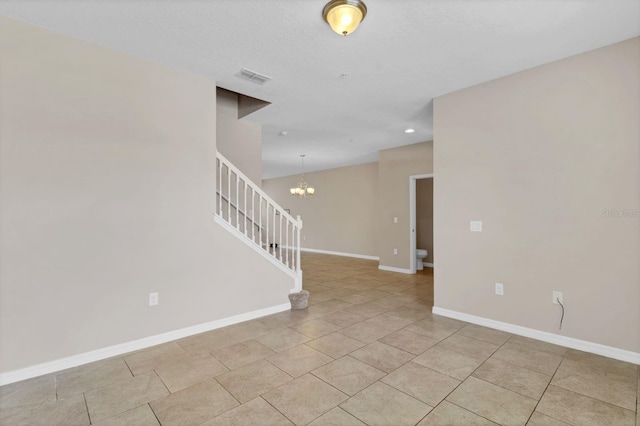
[244, 209]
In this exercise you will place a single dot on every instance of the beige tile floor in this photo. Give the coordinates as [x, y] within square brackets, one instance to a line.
[366, 351]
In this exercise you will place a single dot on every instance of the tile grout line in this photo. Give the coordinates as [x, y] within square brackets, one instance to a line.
[154, 413]
[583, 394]
[545, 391]
[275, 408]
[347, 400]
[86, 406]
[378, 380]
[293, 379]
[55, 387]
[462, 381]
[471, 375]
[472, 412]
[164, 384]
[230, 393]
[527, 368]
[128, 367]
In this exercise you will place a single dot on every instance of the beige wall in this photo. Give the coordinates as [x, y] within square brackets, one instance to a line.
[424, 216]
[539, 156]
[107, 191]
[238, 140]
[395, 167]
[342, 215]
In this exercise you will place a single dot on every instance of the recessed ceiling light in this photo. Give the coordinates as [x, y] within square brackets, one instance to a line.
[409, 131]
[284, 133]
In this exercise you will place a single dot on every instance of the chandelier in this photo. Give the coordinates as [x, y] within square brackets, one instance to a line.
[302, 189]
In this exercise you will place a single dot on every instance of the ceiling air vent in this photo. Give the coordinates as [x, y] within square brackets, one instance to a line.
[252, 76]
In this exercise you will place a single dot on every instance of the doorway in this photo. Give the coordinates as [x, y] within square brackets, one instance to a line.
[417, 204]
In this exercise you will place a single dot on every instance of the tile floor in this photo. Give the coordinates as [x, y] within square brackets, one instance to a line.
[366, 351]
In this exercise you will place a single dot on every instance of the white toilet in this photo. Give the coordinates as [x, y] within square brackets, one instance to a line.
[420, 255]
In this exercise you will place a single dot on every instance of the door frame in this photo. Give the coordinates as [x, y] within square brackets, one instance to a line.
[412, 217]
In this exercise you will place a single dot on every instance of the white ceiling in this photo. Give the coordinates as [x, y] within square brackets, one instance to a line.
[404, 54]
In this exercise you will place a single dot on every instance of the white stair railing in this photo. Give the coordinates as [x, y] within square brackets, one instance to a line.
[254, 215]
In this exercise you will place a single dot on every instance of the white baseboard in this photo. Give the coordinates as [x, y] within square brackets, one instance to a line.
[338, 253]
[394, 269]
[569, 342]
[123, 348]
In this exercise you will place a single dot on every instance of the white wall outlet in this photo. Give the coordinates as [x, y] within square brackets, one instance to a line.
[557, 295]
[153, 299]
[395, 219]
[475, 226]
[395, 251]
[500, 289]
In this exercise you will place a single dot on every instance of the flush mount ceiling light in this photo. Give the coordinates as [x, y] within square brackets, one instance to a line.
[409, 131]
[302, 189]
[344, 16]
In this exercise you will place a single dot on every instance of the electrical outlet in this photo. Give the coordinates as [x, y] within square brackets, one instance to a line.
[557, 295]
[500, 289]
[395, 251]
[153, 299]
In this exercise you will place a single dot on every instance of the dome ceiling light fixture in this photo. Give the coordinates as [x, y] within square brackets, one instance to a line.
[344, 16]
[302, 189]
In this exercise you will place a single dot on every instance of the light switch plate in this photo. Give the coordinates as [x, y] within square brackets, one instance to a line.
[475, 226]
[500, 289]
